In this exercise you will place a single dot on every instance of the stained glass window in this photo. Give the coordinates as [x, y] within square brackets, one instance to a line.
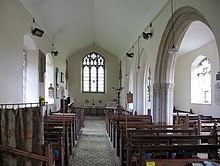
[93, 73]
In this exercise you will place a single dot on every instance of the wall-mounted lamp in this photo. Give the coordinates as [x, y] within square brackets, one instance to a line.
[138, 69]
[147, 35]
[55, 53]
[218, 76]
[130, 54]
[37, 32]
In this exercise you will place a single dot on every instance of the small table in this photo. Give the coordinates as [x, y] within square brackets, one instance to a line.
[94, 110]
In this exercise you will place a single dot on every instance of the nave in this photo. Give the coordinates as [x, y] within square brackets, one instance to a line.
[93, 147]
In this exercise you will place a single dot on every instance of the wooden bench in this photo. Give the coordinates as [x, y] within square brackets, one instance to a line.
[115, 120]
[79, 111]
[108, 114]
[56, 127]
[76, 124]
[204, 124]
[148, 130]
[168, 141]
[114, 128]
[57, 140]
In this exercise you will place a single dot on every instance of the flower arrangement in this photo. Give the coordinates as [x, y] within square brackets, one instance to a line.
[41, 101]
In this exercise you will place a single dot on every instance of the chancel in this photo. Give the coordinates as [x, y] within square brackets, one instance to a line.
[60, 59]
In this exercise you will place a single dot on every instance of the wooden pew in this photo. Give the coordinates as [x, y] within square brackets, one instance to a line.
[189, 119]
[54, 125]
[206, 148]
[203, 123]
[55, 130]
[115, 120]
[148, 130]
[168, 141]
[79, 111]
[108, 114]
[57, 140]
[73, 121]
[114, 128]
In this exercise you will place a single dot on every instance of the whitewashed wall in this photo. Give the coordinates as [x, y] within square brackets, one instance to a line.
[183, 80]
[112, 75]
[15, 23]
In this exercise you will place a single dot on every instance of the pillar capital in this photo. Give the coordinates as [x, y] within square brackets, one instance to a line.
[163, 86]
[163, 103]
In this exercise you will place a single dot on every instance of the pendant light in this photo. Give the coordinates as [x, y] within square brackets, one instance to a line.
[173, 50]
[126, 76]
[138, 56]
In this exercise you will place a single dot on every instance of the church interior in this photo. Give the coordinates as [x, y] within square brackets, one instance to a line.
[109, 82]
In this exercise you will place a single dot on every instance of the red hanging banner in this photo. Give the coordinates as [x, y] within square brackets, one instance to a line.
[129, 97]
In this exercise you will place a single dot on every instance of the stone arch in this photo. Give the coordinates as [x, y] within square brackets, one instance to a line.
[182, 18]
[140, 80]
[165, 64]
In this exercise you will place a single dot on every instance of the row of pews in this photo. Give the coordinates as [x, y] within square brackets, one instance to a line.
[62, 131]
[137, 141]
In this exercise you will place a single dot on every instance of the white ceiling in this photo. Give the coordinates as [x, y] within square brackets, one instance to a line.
[197, 35]
[113, 25]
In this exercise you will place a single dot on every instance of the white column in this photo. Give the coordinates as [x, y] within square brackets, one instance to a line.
[163, 103]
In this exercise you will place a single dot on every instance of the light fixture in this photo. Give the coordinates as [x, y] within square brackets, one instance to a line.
[138, 56]
[37, 32]
[55, 53]
[218, 76]
[173, 50]
[130, 54]
[148, 34]
[126, 75]
[138, 69]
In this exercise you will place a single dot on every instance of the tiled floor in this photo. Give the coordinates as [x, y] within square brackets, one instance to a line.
[93, 147]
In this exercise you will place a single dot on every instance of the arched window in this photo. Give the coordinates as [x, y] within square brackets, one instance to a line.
[201, 80]
[30, 70]
[93, 73]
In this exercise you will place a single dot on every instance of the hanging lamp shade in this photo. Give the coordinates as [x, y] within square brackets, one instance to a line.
[173, 50]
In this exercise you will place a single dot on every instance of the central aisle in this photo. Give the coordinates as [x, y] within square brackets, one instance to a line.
[93, 147]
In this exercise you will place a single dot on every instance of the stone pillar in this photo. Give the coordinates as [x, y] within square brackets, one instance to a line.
[163, 103]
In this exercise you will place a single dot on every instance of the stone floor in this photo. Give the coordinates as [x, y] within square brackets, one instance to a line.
[93, 147]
